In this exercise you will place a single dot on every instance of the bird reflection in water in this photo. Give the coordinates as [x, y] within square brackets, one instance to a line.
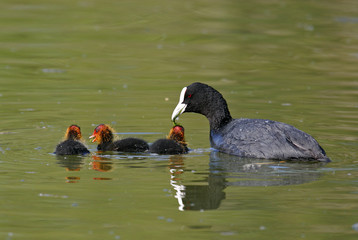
[102, 164]
[231, 171]
[261, 172]
[75, 163]
[71, 164]
[195, 197]
[176, 166]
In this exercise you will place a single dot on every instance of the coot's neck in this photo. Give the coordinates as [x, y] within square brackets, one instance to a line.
[217, 112]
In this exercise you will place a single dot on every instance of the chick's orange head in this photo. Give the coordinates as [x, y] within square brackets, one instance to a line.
[102, 133]
[73, 132]
[177, 133]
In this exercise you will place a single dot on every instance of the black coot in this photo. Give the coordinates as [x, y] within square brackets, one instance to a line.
[72, 144]
[103, 134]
[173, 144]
[254, 138]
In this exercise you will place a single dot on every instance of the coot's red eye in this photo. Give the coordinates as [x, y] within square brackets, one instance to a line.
[189, 96]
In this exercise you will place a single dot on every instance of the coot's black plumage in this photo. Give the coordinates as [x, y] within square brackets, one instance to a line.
[173, 144]
[255, 138]
[103, 134]
[72, 144]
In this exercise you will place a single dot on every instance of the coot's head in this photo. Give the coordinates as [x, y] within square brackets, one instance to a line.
[203, 99]
[73, 132]
[102, 133]
[177, 133]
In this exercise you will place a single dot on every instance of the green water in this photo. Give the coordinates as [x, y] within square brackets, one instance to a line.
[124, 63]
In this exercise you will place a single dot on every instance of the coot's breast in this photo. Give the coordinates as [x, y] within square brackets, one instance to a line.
[259, 138]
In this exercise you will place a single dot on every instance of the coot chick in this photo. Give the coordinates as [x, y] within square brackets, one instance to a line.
[253, 138]
[103, 134]
[173, 144]
[72, 144]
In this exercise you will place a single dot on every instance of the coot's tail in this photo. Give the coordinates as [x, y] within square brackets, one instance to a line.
[324, 159]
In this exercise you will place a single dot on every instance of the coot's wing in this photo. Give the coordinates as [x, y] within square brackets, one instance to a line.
[261, 138]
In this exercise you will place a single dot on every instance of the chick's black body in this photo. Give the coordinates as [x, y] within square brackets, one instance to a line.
[168, 146]
[173, 144]
[255, 138]
[124, 145]
[71, 147]
[103, 134]
[131, 145]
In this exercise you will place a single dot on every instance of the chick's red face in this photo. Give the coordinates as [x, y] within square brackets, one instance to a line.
[177, 133]
[96, 133]
[102, 133]
[178, 129]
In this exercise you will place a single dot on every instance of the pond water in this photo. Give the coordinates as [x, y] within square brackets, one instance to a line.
[124, 63]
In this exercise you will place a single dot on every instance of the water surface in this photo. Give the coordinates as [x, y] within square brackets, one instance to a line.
[124, 63]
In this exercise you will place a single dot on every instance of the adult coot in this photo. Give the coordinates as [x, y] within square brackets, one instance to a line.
[72, 144]
[103, 134]
[253, 138]
[173, 144]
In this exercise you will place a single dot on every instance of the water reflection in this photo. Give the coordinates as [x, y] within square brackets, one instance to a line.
[176, 166]
[260, 172]
[195, 197]
[71, 164]
[102, 164]
[75, 163]
[226, 170]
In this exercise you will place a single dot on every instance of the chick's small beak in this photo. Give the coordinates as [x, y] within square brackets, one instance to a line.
[94, 137]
